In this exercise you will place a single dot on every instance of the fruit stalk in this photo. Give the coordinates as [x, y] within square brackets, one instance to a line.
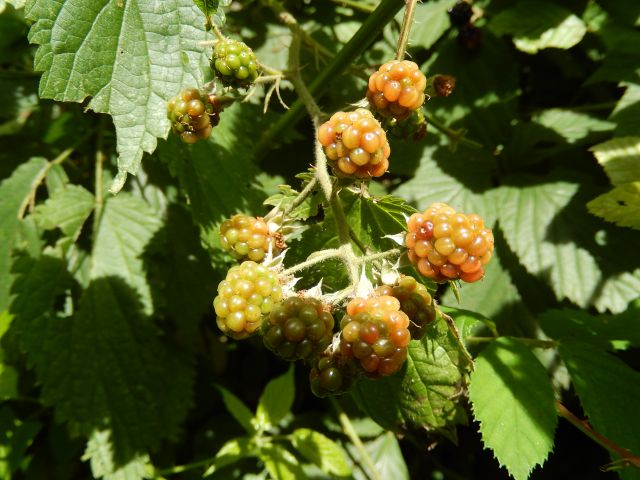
[407, 22]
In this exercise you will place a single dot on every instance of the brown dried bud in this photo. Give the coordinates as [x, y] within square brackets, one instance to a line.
[443, 85]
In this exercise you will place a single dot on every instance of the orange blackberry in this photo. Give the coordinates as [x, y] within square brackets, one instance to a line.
[397, 89]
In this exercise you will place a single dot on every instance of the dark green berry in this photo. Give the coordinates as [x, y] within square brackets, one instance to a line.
[332, 374]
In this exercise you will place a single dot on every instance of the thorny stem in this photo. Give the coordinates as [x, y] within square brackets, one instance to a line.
[532, 342]
[350, 432]
[407, 22]
[627, 457]
[314, 259]
[455, 136]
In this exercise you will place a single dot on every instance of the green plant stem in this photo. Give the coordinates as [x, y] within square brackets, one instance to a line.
[350, 432]
[407, 22]
[345, 57]
[455, 136]
[301, 197]
[357, 241]
[363, 7]
[99, 199]
[597, 437]
[182, 468]
[314, 259]
[532, 342]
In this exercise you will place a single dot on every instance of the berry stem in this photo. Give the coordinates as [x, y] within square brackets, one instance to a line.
[313, 259]
[349, 431]
[455, 136]
[407, 22]
[532, 342]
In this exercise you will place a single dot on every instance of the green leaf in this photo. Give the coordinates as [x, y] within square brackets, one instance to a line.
[127, 56]
[68, 208]
[512, 398]
[106, 368]
[431, 21]
[231, 452]
[594, 268]
[280, 463]
[608, 389]
[276, 400]
[620, 158]
[126, 226]
[574, 127]
[620, 206]
[321, 451]
[15, 438]
[100, 453]
[237, 408]
[8, 382]
[215, 9]
[425, 392]
[627, 112]
[538, 25]
[14, 191]
[386, 455]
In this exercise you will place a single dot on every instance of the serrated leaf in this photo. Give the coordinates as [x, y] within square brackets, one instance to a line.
[593, 268]
[126, 55]
[620, 206]
[512, 398]
[231, 452]
[425, 392]
[106, 368]
[538, 25]
[67, 209]
[237, 408]
[15, 437]
[321, 451]
[13, 193]
[100, 453]
[574, 127]
[620, 158]
[608, 389]
[627, 112]
[387, 458]
[280, 463]
[127, 224]
[276, 400]
[431, 21]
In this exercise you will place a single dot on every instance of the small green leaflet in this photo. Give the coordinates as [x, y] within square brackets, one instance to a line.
[231, 452]
[512, 399]
[320, 450]
[215, 9]
[276, 400]
[237, 408]
[620, 206]
[280, 463]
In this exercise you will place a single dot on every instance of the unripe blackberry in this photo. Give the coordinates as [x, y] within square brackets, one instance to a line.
[470, 37]
[460, 14]
[247, 237]
[355, 144]
[332, 374]
[298, 328]
[249, 292]
[192, 115]
[415, 301]
[234, 63]
[446, 245]
[414, 127]
[375, 332]
[397, 89]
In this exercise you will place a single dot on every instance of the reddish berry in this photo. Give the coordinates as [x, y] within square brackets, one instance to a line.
[332, 374]
[234, 63]
[246, 237]
[355, 144]
[375, 332]
[446, 245]
[249, 292]
[397, 89]
[415, 301]
[298, 328]
[193, 115]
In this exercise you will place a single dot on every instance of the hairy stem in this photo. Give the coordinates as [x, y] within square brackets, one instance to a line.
[407, 22]
[347, 428]
[318, 257]
[600, 439]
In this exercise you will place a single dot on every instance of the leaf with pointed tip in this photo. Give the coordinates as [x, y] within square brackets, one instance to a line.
[276, 400]
[620, 158]
[620, 206]
[127, 56]
[321, 451]
[67, 209]
[280, 463]
[231, 452]
[99, 452]
[215, 9]
[237, 408]
[512, 398]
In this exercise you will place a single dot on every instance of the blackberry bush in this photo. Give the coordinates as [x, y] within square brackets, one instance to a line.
[247, 237]
[247, 293]
[298, 328]
[397, 89]
[447, 245]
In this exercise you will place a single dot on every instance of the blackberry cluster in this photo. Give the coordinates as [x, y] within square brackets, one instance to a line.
[469, 36]
[298, 328]
[397, 89]
[355, 144]
[375, 332]
[413, 127]
[192, 115]
[248, 237]
[249, 292]
[234, 63]
[415, 301]
[332, 374]
[446, 245]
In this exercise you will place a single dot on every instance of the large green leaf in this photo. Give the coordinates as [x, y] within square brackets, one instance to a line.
[620, 206]
[321, 451]
[425, 392]
[556, 240]
[431, 21]
[131, 57]
[512, 399]
[126, 226]
[620, 158]
[574, 127]
[536, 25]
[67, 209]
[609, 390]
[14, 192]
[100, 453]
